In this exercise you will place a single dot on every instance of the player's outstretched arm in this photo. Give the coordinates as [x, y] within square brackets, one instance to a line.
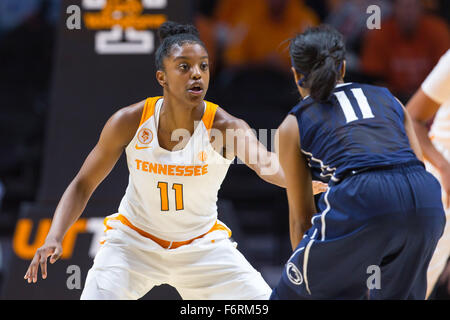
[256, 156]
[411, 133]
[239, 140]
[298, 181]
[422, 109]
[317, 186]
[116, 134]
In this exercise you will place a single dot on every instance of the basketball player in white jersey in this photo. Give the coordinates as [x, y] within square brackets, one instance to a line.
[433, 100]
[166, 229]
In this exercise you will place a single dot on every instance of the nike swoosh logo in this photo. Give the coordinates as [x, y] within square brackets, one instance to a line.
[140, 148]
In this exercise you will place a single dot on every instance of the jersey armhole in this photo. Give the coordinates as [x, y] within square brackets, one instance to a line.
[149, 109]
[208, 121]
[210, 113]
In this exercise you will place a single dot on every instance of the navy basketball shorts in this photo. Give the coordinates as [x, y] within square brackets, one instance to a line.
[373, 238]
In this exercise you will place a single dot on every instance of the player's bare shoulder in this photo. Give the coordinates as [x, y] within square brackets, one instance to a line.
[131, 114]
[124, 123]
[223, 121]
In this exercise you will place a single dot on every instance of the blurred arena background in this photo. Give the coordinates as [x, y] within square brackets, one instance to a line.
[59, 84]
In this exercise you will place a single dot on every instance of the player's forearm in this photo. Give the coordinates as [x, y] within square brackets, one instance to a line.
[295, 234]
[276, 179]
[69, 209]
[412, 134]
[300, 214]
[297, 228]
[269, 169]
[429, 151]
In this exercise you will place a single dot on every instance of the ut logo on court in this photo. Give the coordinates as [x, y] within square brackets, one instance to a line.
[122, 27]
[24, 246]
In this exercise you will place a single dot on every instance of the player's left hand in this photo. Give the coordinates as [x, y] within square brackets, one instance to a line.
[51, 248]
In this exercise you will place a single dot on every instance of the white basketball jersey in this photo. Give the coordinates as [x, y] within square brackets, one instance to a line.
[437, 87]
[173, 194]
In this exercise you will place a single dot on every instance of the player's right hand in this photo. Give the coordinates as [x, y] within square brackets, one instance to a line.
[51, 248]
[319, 187]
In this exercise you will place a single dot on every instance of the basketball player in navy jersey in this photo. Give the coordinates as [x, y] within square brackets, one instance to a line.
[376, 227]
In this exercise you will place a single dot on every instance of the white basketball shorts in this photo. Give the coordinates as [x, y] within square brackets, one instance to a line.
[129, 265]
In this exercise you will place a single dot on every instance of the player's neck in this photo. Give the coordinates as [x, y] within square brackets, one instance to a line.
[176, 115]
[304, 92]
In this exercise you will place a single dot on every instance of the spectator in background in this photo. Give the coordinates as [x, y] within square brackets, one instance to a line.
[14, 12]
[438, 7]
[349, 17]
[404, 51]
[252, 31]
[207, 27]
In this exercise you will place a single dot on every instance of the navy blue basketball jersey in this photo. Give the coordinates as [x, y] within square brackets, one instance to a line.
[360, 127]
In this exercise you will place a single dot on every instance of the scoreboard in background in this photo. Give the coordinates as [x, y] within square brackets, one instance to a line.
[99, 68]
[122, 26]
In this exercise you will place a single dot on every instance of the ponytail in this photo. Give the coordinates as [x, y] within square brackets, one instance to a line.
[322, 80]
[317, 54]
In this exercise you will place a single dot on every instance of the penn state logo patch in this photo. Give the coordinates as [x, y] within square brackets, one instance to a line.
[294, 275]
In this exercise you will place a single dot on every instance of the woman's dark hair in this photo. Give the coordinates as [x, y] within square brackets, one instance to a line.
[317, 54]
[172, 33]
